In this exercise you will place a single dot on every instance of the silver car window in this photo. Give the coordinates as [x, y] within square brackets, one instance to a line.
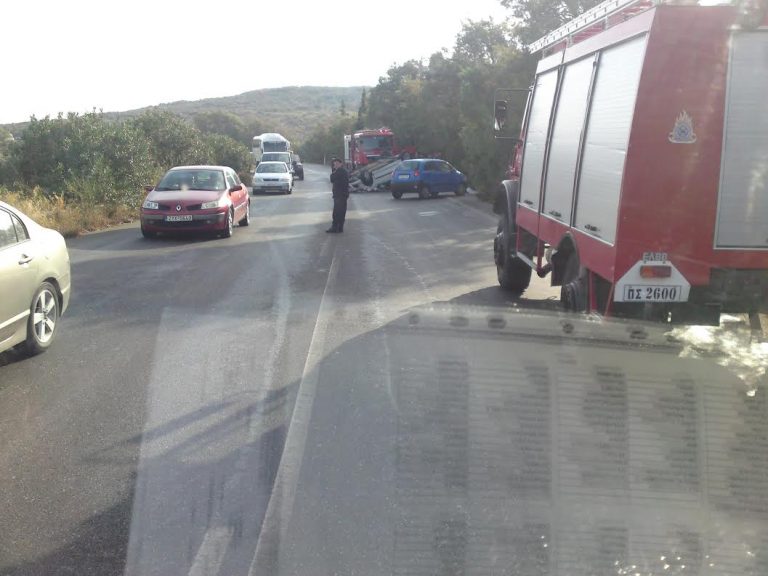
[21, 230]
[7, 230]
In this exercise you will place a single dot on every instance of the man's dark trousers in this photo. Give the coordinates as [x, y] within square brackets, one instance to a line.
[339, 212]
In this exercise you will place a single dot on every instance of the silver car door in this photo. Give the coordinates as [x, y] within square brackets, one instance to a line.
[18, 273]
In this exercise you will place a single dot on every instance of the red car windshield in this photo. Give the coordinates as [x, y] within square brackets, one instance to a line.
[192, 180]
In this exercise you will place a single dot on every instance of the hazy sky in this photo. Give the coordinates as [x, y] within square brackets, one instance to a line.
[74, 55]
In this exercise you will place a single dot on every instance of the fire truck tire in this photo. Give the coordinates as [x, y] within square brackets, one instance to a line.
[366, 177]
[573, 292]
[513, 274]
[424, 192]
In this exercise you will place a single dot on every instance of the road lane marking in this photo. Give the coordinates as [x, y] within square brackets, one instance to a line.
[212, 550]
[276, 520]
[282, 305]
[211, 553]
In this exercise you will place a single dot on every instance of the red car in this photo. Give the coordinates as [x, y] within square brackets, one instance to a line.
[196, 199]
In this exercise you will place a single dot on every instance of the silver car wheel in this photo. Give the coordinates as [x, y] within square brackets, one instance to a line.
[44, 316]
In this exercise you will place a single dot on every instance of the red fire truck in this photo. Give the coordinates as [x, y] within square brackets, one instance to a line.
[640, 179]
[366, 146]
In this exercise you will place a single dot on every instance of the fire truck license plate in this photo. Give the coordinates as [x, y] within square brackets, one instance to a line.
[652, 293]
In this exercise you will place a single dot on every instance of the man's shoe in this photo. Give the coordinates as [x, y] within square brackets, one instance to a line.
[331, 231]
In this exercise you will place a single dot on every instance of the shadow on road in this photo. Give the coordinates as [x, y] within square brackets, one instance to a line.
[167, 486]
[130, 239]
[12, 356]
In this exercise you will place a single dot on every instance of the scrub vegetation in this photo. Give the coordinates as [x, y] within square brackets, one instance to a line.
[444, 106]
[79, 172]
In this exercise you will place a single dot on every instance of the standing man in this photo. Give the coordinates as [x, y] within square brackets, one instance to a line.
[340, 180]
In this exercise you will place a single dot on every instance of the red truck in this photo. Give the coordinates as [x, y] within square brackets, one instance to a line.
[640, 179]
[367, 146]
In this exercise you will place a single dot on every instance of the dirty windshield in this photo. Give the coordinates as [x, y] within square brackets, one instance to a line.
[506, 318]
[197, 179]
[374, 143]
[271, 168]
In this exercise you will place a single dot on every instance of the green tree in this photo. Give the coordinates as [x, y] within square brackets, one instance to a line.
[327, 142]
[538, 17]
[86, 158]
[8, 162]
[482, 42]
[362, 111]
[173, 140]
[396, 101]
[225, 124]
[226, 151]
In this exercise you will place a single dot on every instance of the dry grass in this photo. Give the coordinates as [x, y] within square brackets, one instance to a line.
[70, 219]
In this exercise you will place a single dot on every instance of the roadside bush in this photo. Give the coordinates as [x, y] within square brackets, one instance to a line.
[225, 151]
[68, 217]
[83, 172]
[85, 158]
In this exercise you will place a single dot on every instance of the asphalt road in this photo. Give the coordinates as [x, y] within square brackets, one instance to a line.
[149, 438]
[293, 403]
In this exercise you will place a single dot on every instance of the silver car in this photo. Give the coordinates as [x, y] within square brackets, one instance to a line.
[34, 281]
[272, 177]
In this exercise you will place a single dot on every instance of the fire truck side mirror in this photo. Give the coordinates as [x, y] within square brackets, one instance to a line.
[500, 114]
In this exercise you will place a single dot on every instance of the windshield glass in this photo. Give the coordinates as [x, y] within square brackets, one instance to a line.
[507, 318]
[192, 180]
[272, 168]
[277, 157]
[273, 146]
[370, 143]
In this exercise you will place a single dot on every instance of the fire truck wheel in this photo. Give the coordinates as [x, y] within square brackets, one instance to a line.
[513, 274]
[366, 177]
[573, 292]
[424, 192]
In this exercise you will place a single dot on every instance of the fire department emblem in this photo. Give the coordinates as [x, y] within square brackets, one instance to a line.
[683, 132]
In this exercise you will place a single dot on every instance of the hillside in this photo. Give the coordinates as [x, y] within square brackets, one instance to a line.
[295, 111]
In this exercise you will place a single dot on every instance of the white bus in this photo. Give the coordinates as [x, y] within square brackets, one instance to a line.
[269, 142]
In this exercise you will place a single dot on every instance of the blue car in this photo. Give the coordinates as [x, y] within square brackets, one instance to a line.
[427, 177]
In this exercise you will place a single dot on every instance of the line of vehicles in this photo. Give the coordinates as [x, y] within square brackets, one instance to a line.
[273, 147]
[638, 182]
[213, 198]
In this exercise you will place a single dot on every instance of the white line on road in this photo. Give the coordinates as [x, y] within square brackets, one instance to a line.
[275, 525]
[211, 552]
